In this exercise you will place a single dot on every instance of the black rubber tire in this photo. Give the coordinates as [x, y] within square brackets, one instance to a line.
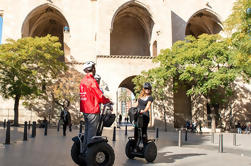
[75, 154]
[150, 152]
[129, 148]
[93, 150]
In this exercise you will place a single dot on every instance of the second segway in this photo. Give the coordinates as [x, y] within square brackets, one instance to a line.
[135, 147]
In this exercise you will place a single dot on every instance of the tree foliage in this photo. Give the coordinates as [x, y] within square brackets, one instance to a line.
[238, 20]
[28, 64]
[238, 26]
[66, 87]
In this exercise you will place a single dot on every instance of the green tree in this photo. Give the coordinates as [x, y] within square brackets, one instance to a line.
[66, 87]
[238, 20]
[238, 26]
[205, 65]
[27, 65]
[161, 85]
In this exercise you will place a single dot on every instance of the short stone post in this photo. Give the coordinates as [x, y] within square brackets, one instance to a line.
[234, 139]
[186, 135]
[114, 134]
[29, 126]
[33, 132]
[45, 128]
[7, 139]
[25, 131]
[157, 133]
[221, 143]
[180, 139]
[126, 129]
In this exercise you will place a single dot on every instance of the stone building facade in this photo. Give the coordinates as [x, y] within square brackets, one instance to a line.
[121, 36]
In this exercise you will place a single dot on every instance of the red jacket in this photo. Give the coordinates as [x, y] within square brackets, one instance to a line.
[90, 95]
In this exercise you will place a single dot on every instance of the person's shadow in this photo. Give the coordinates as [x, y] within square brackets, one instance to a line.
[162, 158]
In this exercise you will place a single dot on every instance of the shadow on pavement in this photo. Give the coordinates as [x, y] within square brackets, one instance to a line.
[165, 158]
[162, 158]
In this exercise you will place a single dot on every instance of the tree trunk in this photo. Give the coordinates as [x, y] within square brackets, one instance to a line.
[52, 111]
[213, 115]
[213, 123]
[16, 105]
[165, 119]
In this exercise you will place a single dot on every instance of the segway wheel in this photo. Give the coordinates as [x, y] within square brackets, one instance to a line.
[100, 154]
[150, 151]
[75, 154]
[129, 148]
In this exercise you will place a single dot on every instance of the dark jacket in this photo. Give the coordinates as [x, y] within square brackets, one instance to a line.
[66, 118]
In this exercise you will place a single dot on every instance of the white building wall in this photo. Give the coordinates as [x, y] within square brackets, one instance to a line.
[90, 23]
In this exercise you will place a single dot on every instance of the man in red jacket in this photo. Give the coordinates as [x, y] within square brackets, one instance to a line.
[90, 98]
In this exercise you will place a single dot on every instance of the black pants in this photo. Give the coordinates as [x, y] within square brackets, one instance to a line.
[143, 129]
[64, 128]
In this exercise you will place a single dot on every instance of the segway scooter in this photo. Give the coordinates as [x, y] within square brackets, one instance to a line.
[136, 147]
[99, 152]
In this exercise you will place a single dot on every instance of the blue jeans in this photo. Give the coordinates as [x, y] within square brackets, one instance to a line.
[91, 124]
[239, 130]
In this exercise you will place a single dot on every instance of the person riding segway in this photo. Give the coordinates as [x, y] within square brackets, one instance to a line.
[140, 145]
[91, 145]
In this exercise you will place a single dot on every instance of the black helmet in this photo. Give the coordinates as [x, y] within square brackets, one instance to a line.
[97, 77]
[147, 85]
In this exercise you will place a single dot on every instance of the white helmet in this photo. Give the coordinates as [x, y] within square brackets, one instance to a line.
[88, 65]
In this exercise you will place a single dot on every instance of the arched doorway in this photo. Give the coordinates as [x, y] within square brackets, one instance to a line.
[203, 21]
[131, 31]
[126, 95]
[46, 19]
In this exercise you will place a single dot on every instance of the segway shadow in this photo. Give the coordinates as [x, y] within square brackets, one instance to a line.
[136, 147]
[99, 152]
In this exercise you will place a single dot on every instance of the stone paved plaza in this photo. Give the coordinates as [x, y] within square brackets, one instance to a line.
[54, 149]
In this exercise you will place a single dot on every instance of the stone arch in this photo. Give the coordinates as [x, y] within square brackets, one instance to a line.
[47, 19]
[131, 30]
[203, 21]
[127, 83]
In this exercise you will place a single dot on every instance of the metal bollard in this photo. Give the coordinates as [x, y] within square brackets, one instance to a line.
[29, 126]
[221, 143]
[35, 125]
[81, 127]
[33, 132]
[180, 139]
[25, 131]
[212, 137]
[157, 133]
[186, 135]
[234, 139]
[126, 129]
[45, 129]
[4, 123]
[58, 126]
[114, 134]
[7, 139]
